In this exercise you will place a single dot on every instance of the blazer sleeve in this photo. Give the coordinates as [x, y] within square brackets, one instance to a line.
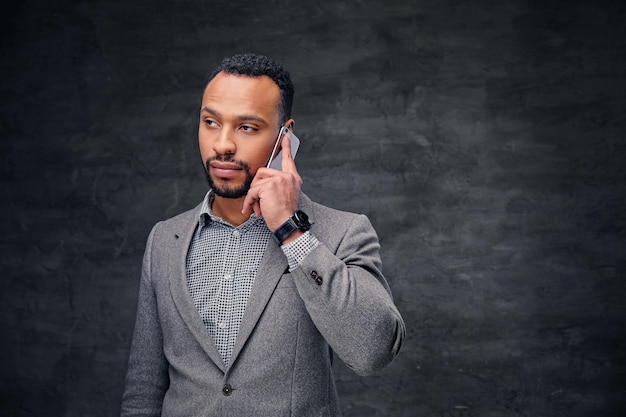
[147, 372]
[349, 299]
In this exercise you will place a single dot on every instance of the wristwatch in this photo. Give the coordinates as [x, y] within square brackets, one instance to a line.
[299, 221]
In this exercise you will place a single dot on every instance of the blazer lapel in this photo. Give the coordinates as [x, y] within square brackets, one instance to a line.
[182, 234]
[272, 267]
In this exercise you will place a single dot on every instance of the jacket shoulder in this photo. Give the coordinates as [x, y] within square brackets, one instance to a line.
[331, 225]
[325, 213]
[178, 222]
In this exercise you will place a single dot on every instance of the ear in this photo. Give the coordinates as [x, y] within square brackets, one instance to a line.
[290, 124]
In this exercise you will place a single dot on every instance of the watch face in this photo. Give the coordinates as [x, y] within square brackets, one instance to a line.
[302, 220]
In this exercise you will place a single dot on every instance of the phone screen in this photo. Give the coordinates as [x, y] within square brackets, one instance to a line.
[275, 160]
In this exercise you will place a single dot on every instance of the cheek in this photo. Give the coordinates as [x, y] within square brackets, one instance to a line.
[206, 149]
[261, 154]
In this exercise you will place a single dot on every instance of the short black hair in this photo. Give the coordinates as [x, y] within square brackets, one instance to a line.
[255, 65]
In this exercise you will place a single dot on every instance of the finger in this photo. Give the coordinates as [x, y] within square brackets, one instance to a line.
[257, 208]
[249, 201]
[263, 173]
[288, 164]
[287, 160]
[247, 207]
[254, 206]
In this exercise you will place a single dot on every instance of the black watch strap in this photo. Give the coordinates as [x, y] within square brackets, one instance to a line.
[285, 230]
[299, 221]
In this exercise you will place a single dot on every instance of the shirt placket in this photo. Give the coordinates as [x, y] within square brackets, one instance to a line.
[226, 327]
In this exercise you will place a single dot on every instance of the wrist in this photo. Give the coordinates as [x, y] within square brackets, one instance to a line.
[293, 228]
[293, 236]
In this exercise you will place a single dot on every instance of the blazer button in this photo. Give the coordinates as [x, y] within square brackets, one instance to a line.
[227, 390]
[318, 280]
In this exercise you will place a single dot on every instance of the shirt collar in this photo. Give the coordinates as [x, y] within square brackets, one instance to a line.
[207, 216]
[205, 209]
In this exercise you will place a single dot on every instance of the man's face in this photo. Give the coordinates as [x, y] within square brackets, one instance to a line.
[239, 122]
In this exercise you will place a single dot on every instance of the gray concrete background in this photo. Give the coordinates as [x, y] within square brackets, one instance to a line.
[484, 139]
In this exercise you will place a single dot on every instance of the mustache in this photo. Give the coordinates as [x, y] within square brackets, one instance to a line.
[226, 158]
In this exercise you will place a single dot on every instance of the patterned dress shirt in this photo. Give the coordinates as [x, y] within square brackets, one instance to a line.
[221, 266]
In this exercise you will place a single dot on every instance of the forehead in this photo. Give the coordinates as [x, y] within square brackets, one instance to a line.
[240, 94]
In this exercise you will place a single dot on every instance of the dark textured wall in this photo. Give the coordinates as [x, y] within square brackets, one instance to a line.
[485, 140]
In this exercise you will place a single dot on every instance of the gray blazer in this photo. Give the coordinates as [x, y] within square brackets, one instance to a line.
[337, 301]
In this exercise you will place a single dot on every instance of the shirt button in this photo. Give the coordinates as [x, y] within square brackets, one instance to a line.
[222, 325]
[228, 277]
[236, 233]
[227, 390]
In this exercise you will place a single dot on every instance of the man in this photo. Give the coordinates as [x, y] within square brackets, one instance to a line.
[245, 299]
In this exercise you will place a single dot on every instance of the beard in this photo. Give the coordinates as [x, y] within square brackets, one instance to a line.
[229, 191]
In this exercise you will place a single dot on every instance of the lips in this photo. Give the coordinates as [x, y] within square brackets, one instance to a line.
[224, 169]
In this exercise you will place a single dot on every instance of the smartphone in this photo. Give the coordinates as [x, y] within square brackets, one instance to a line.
[275, 160]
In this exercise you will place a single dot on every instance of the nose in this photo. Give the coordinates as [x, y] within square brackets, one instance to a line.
[224, 143]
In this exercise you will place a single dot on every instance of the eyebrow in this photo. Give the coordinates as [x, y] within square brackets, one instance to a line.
[242, 117]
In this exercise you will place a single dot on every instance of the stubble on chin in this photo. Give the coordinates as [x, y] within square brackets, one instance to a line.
[226, 190]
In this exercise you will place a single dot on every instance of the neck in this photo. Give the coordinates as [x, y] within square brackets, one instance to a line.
[229, 210]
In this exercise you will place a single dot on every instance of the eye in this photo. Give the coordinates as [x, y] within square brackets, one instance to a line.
[248, 128]
[210, 122]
